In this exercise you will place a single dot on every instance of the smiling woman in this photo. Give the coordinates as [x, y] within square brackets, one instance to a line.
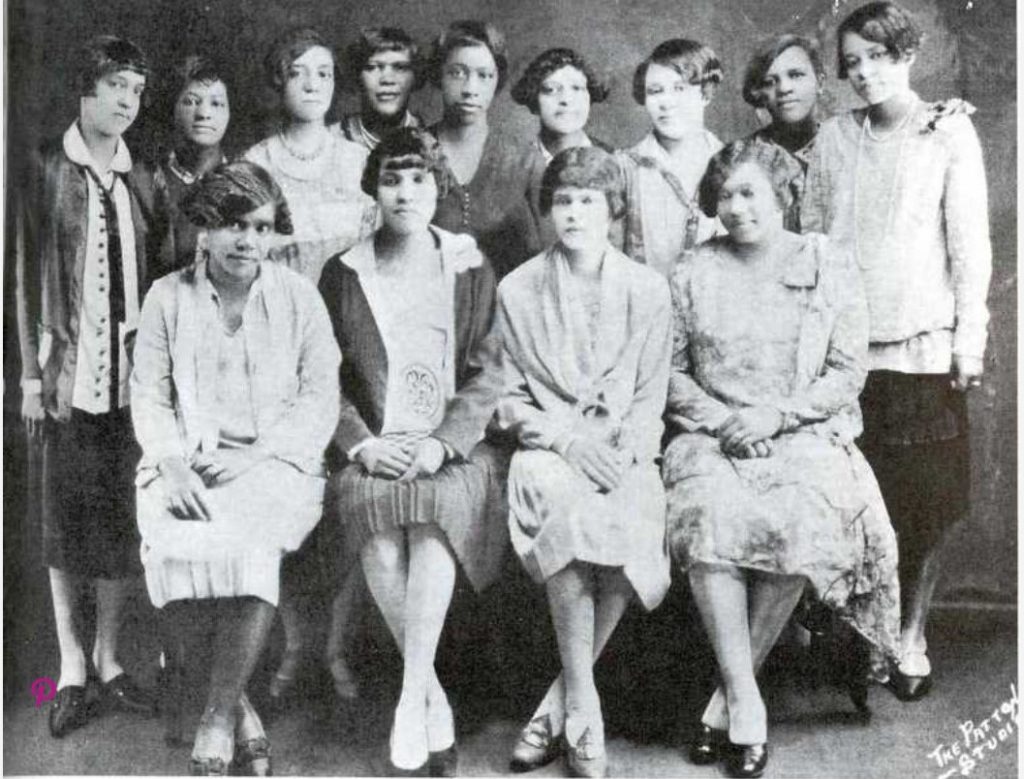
[235, 369]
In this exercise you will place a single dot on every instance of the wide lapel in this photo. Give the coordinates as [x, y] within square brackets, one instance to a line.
[801, 275]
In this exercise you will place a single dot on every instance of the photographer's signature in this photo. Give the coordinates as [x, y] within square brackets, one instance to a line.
[977, 740]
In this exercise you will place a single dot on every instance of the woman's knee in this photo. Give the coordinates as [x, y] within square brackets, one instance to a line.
[384, 550]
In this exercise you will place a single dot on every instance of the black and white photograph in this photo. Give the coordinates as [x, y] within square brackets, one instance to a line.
[534, 388]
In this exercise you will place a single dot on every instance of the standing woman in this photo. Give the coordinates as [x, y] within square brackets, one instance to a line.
[386, 64]
[587, 343]
[675, 85]
[235, 371]
[318, 170]
[413, 309]
[559, 88]
[487, 170]
[902, 183]
[785, 77]
[316, 166]
[198, 97]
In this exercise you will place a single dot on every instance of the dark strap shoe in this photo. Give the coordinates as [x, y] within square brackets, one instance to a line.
[69, 711]
[123, 693]
[747, 760]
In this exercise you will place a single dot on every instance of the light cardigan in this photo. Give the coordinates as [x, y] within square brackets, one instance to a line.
[555, 384]
[926, 285]
[293, 365]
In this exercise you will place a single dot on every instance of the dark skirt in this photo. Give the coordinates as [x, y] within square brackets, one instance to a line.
[88, 495]
[915, 438]
[466, 499]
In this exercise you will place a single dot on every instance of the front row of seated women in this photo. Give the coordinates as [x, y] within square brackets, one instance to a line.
[758, 352]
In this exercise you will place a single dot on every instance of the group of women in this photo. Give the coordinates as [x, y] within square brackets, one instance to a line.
[666, 376]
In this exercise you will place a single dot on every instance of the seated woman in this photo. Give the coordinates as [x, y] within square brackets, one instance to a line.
[663, 219]
[785, 78]
[197, 98]
[559, 88]
[236, 371]
[766, 489]
[587, 339]
[413, 310]
[386, 63]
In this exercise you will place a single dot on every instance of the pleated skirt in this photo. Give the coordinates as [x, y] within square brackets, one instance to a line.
[465, 499]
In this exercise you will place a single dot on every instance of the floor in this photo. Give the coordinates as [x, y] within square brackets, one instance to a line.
[653, 680]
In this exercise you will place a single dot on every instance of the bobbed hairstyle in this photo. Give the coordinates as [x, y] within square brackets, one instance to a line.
[767, 53]
[887, 23]
[781, 168]
[585, 167]
[291, 45]
[104, 54]
[694, 61]
[232, 190]
[405, 147]
[194, 68]
[373, 40]
[469, 32]
[527, 88]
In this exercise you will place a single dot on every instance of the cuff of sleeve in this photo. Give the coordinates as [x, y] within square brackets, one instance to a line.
[790, 420]
[352, 452]
[560, 445]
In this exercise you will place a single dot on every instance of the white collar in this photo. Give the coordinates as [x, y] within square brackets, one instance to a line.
[78, 152]
[548, 156]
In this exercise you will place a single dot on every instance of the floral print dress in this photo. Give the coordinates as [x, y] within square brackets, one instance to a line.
[788, 332]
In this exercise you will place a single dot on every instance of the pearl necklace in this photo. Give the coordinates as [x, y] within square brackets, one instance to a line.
[308, 157]
[865, 132]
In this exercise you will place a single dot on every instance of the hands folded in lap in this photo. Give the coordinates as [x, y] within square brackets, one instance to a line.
[185, 485]
[747, 433]
[388, 460]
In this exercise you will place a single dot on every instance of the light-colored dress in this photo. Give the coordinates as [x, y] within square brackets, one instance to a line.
[663, 218]
[330, 212]
[789, 333]
[196, 389]
[605, 376]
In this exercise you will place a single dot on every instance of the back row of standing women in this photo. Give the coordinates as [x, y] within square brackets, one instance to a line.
[761, 353]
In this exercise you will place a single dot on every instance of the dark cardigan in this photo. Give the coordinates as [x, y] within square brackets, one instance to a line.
[364, 369]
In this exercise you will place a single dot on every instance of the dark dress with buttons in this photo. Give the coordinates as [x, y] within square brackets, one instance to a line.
[493, 205]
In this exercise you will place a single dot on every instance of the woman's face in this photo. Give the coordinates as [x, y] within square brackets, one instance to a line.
[563, 101]
[581, 218]
[875, 75]
[675, 105]
[235, 250]
[309, 85]
[790, 86]
[407, 196]
[387, 80]
[201, 113]
[114, 104]
[747, 205]
[469, 80]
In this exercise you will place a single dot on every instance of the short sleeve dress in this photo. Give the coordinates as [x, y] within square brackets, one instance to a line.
[792, 334]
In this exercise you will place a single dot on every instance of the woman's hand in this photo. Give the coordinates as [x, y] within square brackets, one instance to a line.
[761, 448]
[599, 462]
[185, 491]
[427, 459]
[966, 372]
[749, 425]
[383, 458]
[32, 413]
[223, 465]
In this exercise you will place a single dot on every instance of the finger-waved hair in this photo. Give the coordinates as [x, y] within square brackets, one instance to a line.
[527, 88]
[781, 168]
[232, 190]
[584, 167]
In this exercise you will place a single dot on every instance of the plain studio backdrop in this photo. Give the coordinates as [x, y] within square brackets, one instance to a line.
[969, 52]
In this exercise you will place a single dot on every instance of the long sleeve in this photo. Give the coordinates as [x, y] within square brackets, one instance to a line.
[468, 413]
[841, 377]
[689, 405]
[304, 430]
[152, 384]
[642, 424]
[518, 411]
[814, 207]
[27, 288]
[965, 207]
